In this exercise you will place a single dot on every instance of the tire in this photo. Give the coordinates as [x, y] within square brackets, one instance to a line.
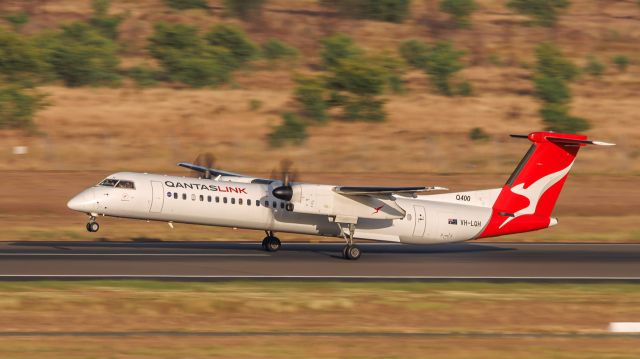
[264, 243]
[273, 244]
[344, 252]
[88, 226]
[93, 226]
[354, 252]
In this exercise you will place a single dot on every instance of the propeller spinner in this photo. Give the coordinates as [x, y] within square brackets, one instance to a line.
[285, 191]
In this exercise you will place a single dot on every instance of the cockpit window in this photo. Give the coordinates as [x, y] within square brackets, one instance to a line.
[109, 182]
[125, 184]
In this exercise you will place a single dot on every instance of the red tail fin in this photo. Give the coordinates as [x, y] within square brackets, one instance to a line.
[527, 199]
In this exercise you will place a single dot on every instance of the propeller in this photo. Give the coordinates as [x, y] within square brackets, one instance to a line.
[207, 160]
[285, 192]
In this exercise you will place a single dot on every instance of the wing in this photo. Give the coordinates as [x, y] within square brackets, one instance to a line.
[372, 191]
[214, 172]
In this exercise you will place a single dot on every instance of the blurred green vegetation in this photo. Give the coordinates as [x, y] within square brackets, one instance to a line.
[293, 130]
[541, 12]
[274, 49]
[551, 78]
[380, 10]
[244, 9]
[594, 67]
[17, 19]
[440, 61]
[460, 11]
[18, 104]
[621, 62]
[187, 4]
[106, 24]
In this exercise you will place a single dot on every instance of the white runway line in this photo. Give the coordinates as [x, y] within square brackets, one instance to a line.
[325, 277]
[624, 327]
[132, 254]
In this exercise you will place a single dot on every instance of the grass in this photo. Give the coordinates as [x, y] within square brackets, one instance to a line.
[251, 306]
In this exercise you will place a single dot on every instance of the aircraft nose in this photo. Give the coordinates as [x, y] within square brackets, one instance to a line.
[82, 202]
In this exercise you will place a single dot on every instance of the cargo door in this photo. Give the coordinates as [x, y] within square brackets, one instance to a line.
[157, 197]
[420, 221]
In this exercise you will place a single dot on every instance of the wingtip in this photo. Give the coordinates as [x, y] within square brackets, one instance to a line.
[601, 143]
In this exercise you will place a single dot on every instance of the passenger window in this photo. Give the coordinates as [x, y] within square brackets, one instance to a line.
[184, 196]
[266, 203]
[201, 198]
[248, 202]
[257, 203]
[217, 199]
[275, 205]
[193, 196]
[233, 200]
[109, 182]
[208, 198]
[175, 195]
[239, 200]
[282, 205]
[224, 199]
[125, 184]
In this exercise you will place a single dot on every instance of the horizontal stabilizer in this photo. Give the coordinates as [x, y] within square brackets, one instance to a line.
[213, 171]
[562, 139]
[358, 191]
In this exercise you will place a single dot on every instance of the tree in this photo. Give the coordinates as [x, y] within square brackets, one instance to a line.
[292, 130]
[187, 4]
[542, 12]
[79, 55]
[443, 62]
[460, 11]
[381, 10]
[233, 39]
[336, 48]
[188, 58]
[556, 118]
[415, 53]
[244, 9]
[621, 62]
[552, 89]
[274, 49]
[18, 106]
[551, 62]
[106, 24]
[20, 60]
[311, 95]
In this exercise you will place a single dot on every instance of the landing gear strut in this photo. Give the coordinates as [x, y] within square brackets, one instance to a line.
[271, 243]
[350, 251]
[92, 225]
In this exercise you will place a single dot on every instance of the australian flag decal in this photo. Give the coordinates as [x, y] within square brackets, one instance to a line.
[453, 221]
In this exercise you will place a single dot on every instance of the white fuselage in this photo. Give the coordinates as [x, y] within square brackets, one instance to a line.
[237, 202]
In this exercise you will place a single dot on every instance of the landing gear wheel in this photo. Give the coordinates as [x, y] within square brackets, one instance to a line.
[352, 252]
[264, 243]
[93, 226]
[272, 244]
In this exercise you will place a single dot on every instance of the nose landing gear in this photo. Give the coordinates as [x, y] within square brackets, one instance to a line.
[350, 251]
[92, 225]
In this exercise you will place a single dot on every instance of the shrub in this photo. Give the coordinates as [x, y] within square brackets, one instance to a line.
[17, 20]
[552, 89]
[187, 4]
[464, 89]
[460, 11]
[254, 104]
[106, 24]
[358, 77]
[336, 48]
[17, 107]
[381, 10]
[478, 134]
[415, 53]
[365, 108]
[310, 94]
[80, 55]
[621, 62]
[20, 60]
[274, 49]
[594, 67]
[542, 12]
[556, 118]
[551, 62]
[144, 76]
[187, 58]
[244, 9]
[234, 39]
[442, 63]
[292, 130]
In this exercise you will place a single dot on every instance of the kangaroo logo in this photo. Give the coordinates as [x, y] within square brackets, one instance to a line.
[377, 209]
[535, 191]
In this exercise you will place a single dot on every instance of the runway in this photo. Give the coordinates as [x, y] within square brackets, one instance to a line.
[232, 260]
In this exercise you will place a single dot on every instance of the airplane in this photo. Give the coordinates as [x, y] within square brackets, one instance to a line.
[389, 214]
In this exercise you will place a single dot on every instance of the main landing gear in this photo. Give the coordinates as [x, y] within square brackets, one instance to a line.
[92, 225]
[350, 251]
[271, 243]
